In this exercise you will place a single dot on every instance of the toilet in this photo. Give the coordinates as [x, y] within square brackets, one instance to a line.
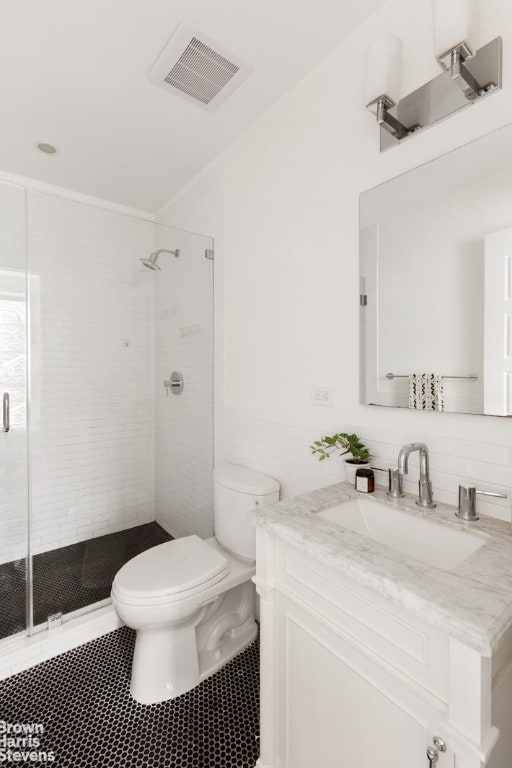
[191, 601]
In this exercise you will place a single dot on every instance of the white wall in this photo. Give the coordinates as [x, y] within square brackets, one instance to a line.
[282, 204]
[92, 371]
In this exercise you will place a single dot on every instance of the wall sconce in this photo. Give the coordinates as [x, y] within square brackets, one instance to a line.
[468, 74]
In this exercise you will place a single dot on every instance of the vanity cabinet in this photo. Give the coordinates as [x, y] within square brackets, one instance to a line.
[351, 680]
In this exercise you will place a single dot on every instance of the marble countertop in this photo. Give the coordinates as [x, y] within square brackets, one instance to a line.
[472, 602]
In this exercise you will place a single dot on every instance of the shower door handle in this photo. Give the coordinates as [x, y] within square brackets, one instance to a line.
[5, 412]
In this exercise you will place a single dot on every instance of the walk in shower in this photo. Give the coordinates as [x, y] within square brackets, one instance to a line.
[101, 456]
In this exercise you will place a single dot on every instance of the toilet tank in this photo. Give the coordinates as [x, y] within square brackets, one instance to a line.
[236, 491]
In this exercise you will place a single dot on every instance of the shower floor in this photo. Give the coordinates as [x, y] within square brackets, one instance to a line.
[71, 577]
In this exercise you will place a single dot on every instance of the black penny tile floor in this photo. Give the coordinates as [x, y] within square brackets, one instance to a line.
[80, 713]
[71, 577]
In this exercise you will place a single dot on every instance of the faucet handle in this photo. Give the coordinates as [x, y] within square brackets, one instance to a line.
[395, 490]
[467, 510]
[394, 482]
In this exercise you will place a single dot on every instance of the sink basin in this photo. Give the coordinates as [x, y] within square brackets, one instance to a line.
[421, 539]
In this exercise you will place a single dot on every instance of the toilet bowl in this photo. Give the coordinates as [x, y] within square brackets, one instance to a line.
[191, 601]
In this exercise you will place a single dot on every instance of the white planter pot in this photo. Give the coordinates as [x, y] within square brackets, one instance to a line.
[351, 468]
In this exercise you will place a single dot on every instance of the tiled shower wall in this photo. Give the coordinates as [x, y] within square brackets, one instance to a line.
[184, 423]
[92, 371]
[185, 507]
[94, 450]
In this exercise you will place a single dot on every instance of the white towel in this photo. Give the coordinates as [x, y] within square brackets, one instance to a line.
[426, 392]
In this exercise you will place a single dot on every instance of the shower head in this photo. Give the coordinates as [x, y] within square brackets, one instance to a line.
[151, 262]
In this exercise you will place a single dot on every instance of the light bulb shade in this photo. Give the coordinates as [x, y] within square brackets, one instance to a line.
[454, 23]
[382, 65]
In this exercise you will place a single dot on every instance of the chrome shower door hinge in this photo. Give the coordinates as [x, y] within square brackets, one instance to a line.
[54, 620]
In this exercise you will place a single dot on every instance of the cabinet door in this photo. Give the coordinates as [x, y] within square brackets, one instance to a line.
[339, 708]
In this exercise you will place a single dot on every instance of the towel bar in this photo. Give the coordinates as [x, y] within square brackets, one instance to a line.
[469, 376]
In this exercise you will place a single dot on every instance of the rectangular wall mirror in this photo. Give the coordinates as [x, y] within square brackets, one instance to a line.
[436, 281]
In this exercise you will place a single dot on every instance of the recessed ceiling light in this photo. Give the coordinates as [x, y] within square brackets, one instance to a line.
[46, 149]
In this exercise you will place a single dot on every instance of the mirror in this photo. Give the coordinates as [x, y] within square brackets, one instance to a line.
[436, 283]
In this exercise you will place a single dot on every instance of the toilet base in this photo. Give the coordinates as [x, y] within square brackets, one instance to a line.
[169, 661]
[162, 664]
[231, 645]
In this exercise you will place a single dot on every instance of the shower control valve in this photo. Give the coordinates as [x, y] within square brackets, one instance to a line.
[174, 383]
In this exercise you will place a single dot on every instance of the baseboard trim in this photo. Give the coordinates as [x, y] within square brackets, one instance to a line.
[26, 652]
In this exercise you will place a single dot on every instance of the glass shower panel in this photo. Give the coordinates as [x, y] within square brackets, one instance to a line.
[118, 462]
[184, 345]
[13, 425]
[92, 417]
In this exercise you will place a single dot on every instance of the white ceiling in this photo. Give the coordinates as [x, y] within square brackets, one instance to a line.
[75, 73]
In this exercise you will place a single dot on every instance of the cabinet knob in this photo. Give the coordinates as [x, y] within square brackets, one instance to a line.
[433, 752]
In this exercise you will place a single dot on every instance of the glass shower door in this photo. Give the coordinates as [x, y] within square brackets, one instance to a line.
[13, 418]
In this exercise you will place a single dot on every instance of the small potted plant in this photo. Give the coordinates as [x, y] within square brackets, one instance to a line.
[359, 453]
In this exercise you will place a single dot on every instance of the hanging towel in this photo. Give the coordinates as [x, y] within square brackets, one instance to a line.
[426, 392]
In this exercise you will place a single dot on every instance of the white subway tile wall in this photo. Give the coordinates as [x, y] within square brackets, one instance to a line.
[281, 450]
[184, 423]
[278, 443]
[194, 513]
[92, 426]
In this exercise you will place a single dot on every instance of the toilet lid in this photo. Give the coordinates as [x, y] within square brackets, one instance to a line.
[170, 569]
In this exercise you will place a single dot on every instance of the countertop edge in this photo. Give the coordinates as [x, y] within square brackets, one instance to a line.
[290, 521]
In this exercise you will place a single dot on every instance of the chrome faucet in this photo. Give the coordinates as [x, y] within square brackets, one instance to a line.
[425, 486]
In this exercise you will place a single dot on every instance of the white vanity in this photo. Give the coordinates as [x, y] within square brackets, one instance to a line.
[385, 630]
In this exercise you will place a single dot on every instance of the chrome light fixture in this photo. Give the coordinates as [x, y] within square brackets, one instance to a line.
[468, 74]
[382, 66]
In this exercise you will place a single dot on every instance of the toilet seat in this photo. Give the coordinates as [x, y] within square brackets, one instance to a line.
[169, 572]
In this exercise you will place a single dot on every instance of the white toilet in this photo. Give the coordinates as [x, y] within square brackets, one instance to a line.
[192, 601]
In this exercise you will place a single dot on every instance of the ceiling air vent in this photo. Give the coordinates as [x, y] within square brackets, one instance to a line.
[198, 68]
